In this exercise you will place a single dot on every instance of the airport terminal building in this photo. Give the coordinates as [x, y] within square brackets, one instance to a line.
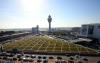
[35, 30]
[91, 30]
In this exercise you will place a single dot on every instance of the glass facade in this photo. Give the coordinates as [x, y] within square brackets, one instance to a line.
[84, 30]
[90, 29]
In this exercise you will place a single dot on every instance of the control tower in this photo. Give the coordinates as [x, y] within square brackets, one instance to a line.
[49, 21]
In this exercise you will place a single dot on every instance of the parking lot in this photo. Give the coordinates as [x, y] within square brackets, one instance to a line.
[35, 58]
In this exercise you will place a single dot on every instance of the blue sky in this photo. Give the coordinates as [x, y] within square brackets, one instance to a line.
[65, 13]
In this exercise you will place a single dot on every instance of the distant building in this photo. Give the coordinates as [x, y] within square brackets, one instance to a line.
[35, 30]
[90, 30]
[76, 29]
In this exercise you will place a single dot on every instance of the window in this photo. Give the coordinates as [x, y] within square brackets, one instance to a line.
[98, 26]
[90, 29]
